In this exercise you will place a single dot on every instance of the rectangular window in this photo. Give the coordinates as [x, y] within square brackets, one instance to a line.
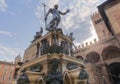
[11, 72]
[5, 72]
[3, 78]
[9, 78]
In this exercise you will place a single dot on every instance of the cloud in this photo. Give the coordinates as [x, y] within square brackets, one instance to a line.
[8, 53]
[6, 33]
[3, 5]
[77, 21]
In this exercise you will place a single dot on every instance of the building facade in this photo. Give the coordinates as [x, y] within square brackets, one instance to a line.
[103, 57]
[6, 72]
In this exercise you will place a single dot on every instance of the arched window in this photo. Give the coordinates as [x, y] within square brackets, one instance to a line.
[93, 57]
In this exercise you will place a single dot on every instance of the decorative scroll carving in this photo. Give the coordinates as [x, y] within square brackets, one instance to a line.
[71, 66]
[36, 68]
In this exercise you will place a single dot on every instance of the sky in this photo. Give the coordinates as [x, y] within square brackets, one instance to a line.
[21, 19]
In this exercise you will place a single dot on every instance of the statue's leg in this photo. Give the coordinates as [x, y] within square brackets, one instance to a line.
[49, 25]
[52, 23]
[57, 22]
[55, 26]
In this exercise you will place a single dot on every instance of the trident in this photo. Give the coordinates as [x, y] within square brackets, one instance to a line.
[45, 15]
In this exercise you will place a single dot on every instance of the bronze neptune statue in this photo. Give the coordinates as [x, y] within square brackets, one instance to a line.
[56, 17]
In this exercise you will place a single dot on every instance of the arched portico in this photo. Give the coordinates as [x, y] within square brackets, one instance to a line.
[114, 74]
[93, 57]
[110, 52]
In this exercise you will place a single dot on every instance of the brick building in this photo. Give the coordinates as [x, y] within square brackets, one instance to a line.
[6, 72]
[103, 56]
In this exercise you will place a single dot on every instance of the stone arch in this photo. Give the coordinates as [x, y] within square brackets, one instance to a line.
[114, 74]
[79, 57]
[110, 52]
[67, 79]
[93, 57]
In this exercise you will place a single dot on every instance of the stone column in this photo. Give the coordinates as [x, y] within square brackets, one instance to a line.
[106, 74]
[90, 70]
